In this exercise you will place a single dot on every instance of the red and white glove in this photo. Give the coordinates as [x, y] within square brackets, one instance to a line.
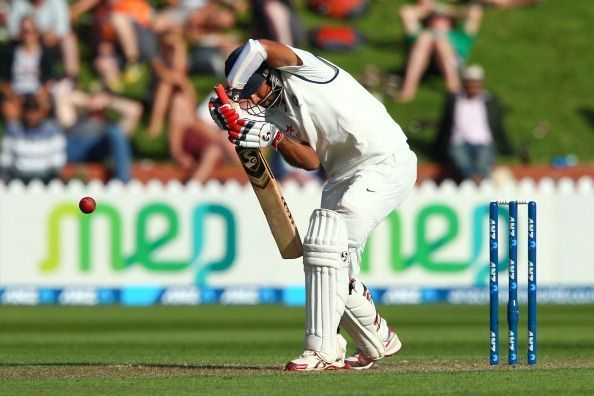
[223, 115]
[254, 134]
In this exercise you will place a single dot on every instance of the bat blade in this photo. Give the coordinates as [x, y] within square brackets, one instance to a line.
[273, 204]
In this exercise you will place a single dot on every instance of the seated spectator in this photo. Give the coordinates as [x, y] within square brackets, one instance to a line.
[434, 35]
[217, 137]
[277, 20]
[124, 38]
[213, 19]
[52, 18]
[92, 136]
[208, 34]
[26, 69]
[176, 15]
[196, 143]
[170, 72]
[194, 140]
[33, 146]
[471, 128]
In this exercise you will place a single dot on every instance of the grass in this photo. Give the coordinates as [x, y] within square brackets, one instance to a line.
[241, 350]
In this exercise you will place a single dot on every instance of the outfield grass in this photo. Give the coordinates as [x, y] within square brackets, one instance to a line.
[241, 350]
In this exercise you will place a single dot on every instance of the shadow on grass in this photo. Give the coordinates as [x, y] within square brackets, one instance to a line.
[588, 114]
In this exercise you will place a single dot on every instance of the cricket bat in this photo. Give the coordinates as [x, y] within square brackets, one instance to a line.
[275, 208]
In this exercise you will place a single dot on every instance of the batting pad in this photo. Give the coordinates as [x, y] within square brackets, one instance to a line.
[326, 266]
[362, 322]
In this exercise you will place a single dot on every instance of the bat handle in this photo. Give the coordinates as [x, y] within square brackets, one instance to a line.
[222, 94]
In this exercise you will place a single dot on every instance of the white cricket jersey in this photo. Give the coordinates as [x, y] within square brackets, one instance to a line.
[326, 107]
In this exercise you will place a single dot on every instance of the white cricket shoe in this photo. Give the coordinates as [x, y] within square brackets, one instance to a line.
[310, 361]
[360, 361]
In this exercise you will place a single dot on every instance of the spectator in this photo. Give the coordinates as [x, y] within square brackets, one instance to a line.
[471, 128]
[212, 20]
[194, 140]
[124, 38]
[177, 14]
[203, 15]
[33, 146]
[277, 20]
[52, 19]
[209, 36]
[199, 146]
[432, 31]
[92, 136]
[170, 70]
[26, 69]
[205, 120]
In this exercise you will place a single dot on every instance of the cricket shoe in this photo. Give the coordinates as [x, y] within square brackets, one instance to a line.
[360, 361]
[310, 361]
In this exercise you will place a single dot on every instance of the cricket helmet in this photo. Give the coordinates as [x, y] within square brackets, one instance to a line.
[262, 74]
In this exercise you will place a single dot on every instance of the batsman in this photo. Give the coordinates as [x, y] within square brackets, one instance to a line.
[313, 112]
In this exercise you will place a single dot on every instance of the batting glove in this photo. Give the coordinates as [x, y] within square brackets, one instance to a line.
[223, 115]
[255, 134]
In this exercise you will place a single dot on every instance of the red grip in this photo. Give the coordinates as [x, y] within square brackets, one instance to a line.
[222, 94]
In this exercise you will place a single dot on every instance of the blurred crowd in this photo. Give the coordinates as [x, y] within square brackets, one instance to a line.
[438, 38]
[80, 79]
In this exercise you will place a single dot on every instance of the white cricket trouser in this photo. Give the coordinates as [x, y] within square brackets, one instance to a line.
[368, 196]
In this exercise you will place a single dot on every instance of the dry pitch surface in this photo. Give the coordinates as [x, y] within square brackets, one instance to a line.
[80, 371]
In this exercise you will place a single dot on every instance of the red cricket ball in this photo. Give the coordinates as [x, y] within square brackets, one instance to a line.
[87, 205]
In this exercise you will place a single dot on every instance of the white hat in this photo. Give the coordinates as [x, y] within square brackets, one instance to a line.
[473, 73]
